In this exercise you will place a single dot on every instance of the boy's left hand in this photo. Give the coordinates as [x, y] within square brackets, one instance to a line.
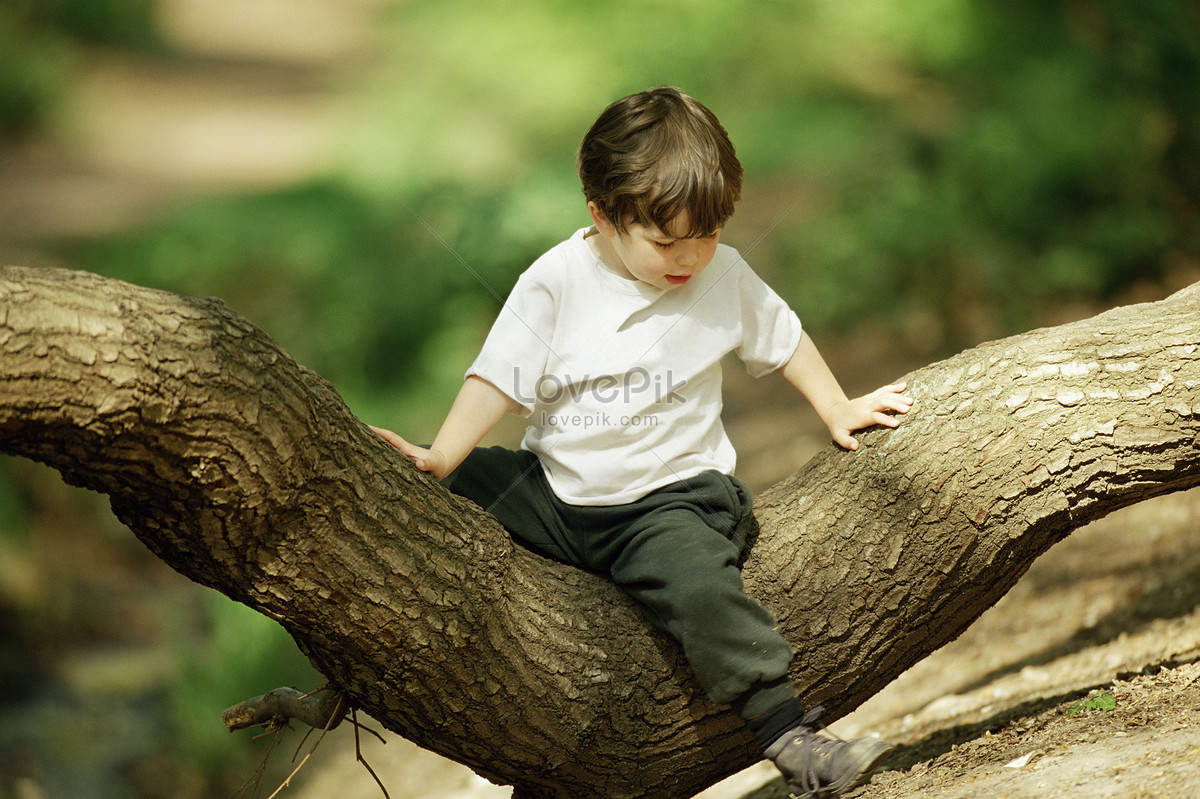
[878, 407]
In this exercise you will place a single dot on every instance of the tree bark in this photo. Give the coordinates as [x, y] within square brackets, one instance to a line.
[247, 473]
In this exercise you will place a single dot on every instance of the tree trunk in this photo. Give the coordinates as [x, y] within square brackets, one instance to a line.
[247, 473]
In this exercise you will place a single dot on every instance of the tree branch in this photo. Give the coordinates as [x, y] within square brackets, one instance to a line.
[323, 709]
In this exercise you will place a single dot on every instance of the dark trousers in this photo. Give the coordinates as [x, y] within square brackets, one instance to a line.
[676, 552]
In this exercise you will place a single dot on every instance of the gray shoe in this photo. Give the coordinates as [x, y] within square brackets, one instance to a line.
[816, 767]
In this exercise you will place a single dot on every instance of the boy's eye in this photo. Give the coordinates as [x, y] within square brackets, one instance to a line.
[663, 245]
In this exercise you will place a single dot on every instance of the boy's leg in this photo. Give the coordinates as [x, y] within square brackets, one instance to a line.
[510, 485]
[733, 666]
[677, 554]
[687, 580]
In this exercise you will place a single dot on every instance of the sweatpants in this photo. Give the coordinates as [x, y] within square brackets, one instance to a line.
[675, 551]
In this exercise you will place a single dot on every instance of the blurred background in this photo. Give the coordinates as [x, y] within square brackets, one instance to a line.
[365, 179]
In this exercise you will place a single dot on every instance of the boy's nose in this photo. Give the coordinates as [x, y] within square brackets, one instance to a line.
[688, 256]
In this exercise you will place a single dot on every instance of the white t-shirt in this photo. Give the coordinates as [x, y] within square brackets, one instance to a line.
[621, 381]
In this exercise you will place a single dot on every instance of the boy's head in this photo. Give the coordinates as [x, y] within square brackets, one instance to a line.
[652, 156]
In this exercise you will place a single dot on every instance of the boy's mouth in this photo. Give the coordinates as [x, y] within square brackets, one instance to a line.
[677, 280]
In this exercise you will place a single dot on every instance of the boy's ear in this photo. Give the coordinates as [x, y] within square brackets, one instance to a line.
[604, 227]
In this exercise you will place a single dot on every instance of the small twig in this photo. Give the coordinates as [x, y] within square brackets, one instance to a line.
[339, 712]
[288, 782]
[256, 778]
[360, 726]
[358, 752]
[300, 745]
[275, 708]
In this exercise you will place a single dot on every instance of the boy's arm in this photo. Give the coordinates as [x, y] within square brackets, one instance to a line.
[476, 410]
[807, 372]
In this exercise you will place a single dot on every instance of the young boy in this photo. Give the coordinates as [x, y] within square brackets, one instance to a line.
[611, 345]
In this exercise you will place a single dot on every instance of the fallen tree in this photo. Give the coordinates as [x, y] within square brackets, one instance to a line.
[247, 473]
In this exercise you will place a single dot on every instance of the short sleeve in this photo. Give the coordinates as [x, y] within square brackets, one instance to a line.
[515, 354]
[771, 330]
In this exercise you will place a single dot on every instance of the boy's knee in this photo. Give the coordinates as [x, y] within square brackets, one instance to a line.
[707, 592]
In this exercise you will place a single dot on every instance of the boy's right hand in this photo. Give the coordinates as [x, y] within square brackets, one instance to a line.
[427, 460]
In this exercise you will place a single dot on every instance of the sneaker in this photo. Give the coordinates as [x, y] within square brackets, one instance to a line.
[817, 767]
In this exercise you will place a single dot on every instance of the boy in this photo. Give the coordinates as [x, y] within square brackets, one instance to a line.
[611, 345]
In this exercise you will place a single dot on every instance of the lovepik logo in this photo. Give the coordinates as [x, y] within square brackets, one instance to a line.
[551, 389]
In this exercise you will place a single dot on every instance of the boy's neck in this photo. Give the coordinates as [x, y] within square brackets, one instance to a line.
[605, 255]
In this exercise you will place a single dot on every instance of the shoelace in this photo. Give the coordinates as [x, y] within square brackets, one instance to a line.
[810, 783]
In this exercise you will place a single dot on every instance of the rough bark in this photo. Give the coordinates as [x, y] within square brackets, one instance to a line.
[246, 472]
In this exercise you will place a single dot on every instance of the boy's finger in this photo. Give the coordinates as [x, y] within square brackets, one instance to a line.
[386, 435]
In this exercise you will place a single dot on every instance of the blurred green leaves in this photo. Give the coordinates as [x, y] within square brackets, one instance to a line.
[237, 655]
[38, 39]
[367, 291]
[124, 23]
[1017, 159]
[32, 61]
[955, 168]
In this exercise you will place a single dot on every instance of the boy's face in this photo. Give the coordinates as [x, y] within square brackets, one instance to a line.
[653, 256]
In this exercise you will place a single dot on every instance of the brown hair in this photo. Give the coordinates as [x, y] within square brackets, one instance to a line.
[653, 155]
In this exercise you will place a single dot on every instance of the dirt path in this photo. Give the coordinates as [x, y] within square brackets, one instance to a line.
[1117, 607]
[1146, 745]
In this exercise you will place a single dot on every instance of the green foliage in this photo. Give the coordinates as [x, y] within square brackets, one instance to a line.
[236, 654]
[966, 164]
[954, 167]
[126, 23]
[15, 503]
[1015, 155]
[37, 62]
[958, 162]
[32, 62]
[385, 296]
[1102, 701]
